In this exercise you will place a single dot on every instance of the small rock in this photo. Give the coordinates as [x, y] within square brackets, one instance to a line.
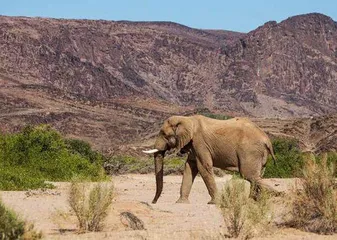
[147, 204]
[131, 221]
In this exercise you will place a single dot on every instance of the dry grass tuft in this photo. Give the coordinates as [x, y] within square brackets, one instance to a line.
[31, 233]
[315, 208]
[90, 205]
[243, 216]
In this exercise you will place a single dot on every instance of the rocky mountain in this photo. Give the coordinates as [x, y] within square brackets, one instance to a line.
[112, 83]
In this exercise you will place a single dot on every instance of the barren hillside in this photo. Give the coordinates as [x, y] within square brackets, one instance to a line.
[112, 83]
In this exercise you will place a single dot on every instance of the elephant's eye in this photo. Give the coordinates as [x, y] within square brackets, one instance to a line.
[172, 141]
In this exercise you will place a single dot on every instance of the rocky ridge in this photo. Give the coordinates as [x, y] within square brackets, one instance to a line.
[112, 83]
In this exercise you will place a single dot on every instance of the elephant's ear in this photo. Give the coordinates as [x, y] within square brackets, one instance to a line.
[183, 129]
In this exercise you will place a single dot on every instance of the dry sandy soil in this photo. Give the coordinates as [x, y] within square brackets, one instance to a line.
[164, 220]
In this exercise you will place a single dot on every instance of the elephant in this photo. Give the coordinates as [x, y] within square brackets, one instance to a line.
[236, 144]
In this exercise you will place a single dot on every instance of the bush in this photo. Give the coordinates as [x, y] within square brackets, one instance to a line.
[36, 154]
[244, 217]
[11, 227]
[90, 207]
[289, 159]
[83, 149]
[18, 178]
[315, 208]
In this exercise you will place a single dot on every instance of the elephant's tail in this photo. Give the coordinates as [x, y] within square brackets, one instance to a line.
[271, 151]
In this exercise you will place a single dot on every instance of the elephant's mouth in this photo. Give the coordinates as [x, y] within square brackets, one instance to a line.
[187, 148]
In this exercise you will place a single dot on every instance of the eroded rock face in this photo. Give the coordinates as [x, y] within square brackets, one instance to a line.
[101, 79]
[294, 61]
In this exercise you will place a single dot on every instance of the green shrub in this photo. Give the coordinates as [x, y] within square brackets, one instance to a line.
[36, 154]
[11, 227]
[289, 159]
[18, 178]
[84, 149]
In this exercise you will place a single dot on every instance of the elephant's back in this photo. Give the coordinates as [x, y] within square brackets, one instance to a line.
[239, 126]
[231, 121]
[237, 122]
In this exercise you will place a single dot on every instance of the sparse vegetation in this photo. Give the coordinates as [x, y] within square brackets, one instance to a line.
[314, 208]
[11, 227]
[31, 233]
[332, 161]
[207, 113]
[90, 205]
[127, 164]
[36, 154]
[120, 164]
[216, 116]
[244, 217]
[289, 159]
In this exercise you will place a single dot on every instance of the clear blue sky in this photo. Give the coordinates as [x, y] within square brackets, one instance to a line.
[236, 15]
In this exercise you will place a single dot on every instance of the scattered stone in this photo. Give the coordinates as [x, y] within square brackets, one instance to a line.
[42, 191]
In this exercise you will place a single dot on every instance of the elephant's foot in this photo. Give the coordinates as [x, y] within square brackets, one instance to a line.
[212, 201]
[182, 200]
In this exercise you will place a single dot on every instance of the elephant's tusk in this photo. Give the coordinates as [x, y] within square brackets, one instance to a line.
[151, 151]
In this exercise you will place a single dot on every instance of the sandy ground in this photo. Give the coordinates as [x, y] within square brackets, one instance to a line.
[49, 211]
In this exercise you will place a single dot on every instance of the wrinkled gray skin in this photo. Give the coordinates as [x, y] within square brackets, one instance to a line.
[236, 144]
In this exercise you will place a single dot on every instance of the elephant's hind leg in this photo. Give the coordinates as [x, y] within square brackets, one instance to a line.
[256, 180]
[251, 169]
[258, 185]
[255, 189]
[190, 172]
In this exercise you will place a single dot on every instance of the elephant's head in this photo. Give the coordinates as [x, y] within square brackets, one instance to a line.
[176, 133]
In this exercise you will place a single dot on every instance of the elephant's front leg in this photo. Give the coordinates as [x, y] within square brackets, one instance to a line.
[190, 172]
[205, 168]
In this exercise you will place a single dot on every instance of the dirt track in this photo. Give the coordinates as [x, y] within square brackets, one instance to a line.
[164, 220]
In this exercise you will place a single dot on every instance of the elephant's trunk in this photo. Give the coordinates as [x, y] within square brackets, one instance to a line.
[158, 163]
